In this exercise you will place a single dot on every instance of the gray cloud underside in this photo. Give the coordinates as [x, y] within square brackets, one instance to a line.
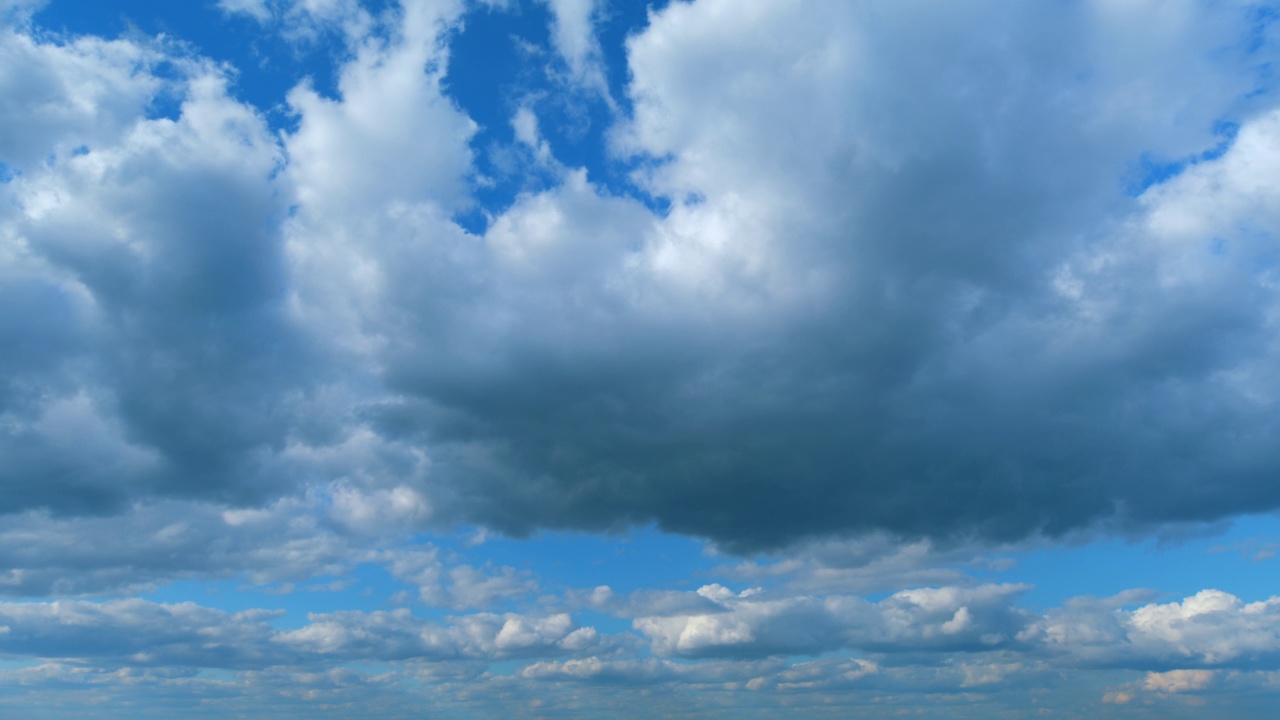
[901, 285]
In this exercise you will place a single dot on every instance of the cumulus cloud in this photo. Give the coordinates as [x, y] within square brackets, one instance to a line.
[137, 632]
[455, 585]
[1209, 629]
[754, 624]
[154, 243]
[45, 556]
[398, 635]
[854, 317]
[883, 288]
[851, 318]
[1176, 681]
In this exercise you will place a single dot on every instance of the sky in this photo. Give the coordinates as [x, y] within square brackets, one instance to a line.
[639, 359]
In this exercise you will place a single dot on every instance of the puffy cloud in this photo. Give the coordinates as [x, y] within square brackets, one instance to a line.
[1209, 629]
[63, 96]
[455, 585]
[1176, 681]
[172, 350]
[365, 149]
[287, 541]
[154, 244]
[398, 635]
[856, 316]
[754, 624]
[852, 317]
[136, 632]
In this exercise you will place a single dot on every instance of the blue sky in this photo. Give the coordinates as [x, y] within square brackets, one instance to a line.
[590, 358]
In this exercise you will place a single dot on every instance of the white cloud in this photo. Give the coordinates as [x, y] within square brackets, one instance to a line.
[302, 21]
[1177, 681]
[574, 35]
[391, 136]
[756, 624]
[64, 95]
[136, 632]
[379, 510]
[1209, 629]
[398, 635]
[444, 582]
[257, 9]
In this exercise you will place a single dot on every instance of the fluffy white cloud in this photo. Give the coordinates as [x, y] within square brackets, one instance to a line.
[154, 244]
[755, 624]
[398, 635]
[1209, 629]
[1176, 681]
[455, 585]
[64, 96]
[142, 633]
[844, 291]
[854, 316]
[136, 632]
[391, 137]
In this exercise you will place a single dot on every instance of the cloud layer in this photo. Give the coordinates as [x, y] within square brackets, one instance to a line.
[873, 288]
[892, 291]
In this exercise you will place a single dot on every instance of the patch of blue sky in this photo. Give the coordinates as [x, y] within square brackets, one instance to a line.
[1240, 559]
[265, 65]
[367, 588]
[640, 558]
[503, 59]
[490, 75]
[1151, 170]
[1263, 27]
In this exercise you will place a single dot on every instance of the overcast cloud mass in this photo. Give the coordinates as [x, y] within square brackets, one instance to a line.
[596, 358]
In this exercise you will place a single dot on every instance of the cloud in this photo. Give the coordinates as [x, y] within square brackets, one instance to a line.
[1176, 681]
[153, 242]
[257, 9]
[137, 632]
[573, 34]
[458, 586]
[882, 291]
[755, 624]
[287, 541]
[397, 635]
[851, 318]
[855, 317]
[304, 21]
[1209, 629]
